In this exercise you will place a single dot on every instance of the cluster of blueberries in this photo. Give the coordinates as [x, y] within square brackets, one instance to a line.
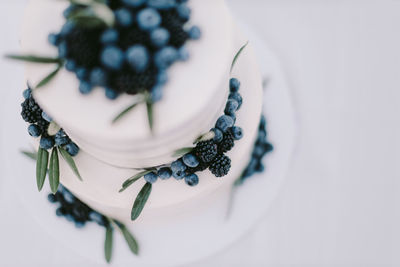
[75, 210]
[39, 124]
[261, 148]
[132, 56]
[208, 154]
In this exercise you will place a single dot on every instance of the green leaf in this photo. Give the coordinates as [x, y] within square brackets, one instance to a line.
[140, 201]
[182, 151]
[150, 118]
[35, 59]
[130, 240]
[54, 171]
[133, 179]
[124, 112]
[108, 243]
[67, 157]
[49, 77]
[41, 167]
[205, 137]
[238, 54]
[31, 155]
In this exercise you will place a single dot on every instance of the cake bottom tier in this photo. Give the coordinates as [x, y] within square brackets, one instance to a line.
[172, 199]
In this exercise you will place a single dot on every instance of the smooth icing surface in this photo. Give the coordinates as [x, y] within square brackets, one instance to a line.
[195, 91]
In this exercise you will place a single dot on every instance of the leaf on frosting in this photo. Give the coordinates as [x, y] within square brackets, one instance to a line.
[108, 243]
[41, 167]
[31, 155]
[182, 151]
[137, 101]
[54, 171]
[35, 59]
[49, 77]
[140, 201]
[238, 54]
[133, 179]
[67, 157]
[150, 115]
[93, 14]
[205, 137]
[130, 240]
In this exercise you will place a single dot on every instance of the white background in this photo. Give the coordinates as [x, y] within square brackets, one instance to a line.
[340, 203]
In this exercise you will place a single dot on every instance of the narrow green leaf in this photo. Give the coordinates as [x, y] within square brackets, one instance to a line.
[108, 243]
[150, 114]
[133, 179]
[238, 54]
[140, 201]
[35, 59]
[130, 240]
[54, 171]
[124, 112]
[182, 151]
[67, 157]
[31, 155]
[49, 77]
[41, 167]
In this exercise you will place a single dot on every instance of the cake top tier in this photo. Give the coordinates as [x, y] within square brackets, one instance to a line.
[195, 90]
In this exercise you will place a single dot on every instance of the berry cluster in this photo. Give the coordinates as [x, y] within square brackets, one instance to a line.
[39, 126]
[261, 148]
[133, 55]
[74, 210]
[211, 153]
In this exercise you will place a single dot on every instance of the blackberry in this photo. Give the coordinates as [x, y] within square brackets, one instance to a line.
[43, 125]
[174, 24]
[133, 36]
[132, 83]
[31, 112]
[227, 142]
[221, 165]
[201, 167]
[206, 151]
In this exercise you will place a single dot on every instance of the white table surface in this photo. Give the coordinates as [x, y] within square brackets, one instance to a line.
[340, 205]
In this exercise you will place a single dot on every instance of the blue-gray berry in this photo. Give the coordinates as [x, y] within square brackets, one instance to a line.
[237, 132]
[138, 57]
[183, 11]
[236, 96]
[124, 17]
[70, 65]
[109, 36]
[27, 93]
[151, 177]
[34, 130]
[46, 117]
[195, 33]
[161, 4]
[46, 142]
[85, 87]
[62, 49]
[98, 77]
[81, 73]
[133, 3]
[162, 77]
[190, 160]
[72, 149]
[61, 140]
[234, 85]
[53, 38]
[148, 19]
[160, 37]
[218, 135]
[192, 179]
[164, 173]
[111, 94]
[183, 53]
[231, 106]
[156, 93]
[165, 57]
[224, 123]
[178, 169]
[112, 57]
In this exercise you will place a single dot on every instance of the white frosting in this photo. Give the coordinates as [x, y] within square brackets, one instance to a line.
[188, 108]
[197, 102]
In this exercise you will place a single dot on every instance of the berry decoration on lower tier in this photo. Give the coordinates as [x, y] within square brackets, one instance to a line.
[80, 214]
[51, 138]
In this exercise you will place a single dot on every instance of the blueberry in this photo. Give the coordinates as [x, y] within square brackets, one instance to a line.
[62, 50]
[60, 212]
[162, 77]
[161, 4]
[148, 19]
[231, 106]
[151, 177]
[67, 28]
[111, 94]
[234, 85]
[178, 169]
[190, 160]
[60, 133]
[27, 93]
[34, 130]
[124, 17]
[195, 33]
[251, 168]
[183, 54]
[85, 87]
[156, 93]
[138, 57]
[81, 73]
[112, 57]
[237, 132]
[260, 167]
[258, 152]
[164, 173]
[68, 197]
[183, 11]
[109, 36]
[262, 135]
[98, 77]
[159, 37]
[165, 57]
[46, 117]
[224, 123]
[133, 3]
[218, 135]
[79, 224]
[192, 179]
[46, 142]
[72, 149]
[51, 198]
[237, 97]
[70, 65]
[61, 140]
[53, 38]
[96, 217]
[233, 116]
[70, 218]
